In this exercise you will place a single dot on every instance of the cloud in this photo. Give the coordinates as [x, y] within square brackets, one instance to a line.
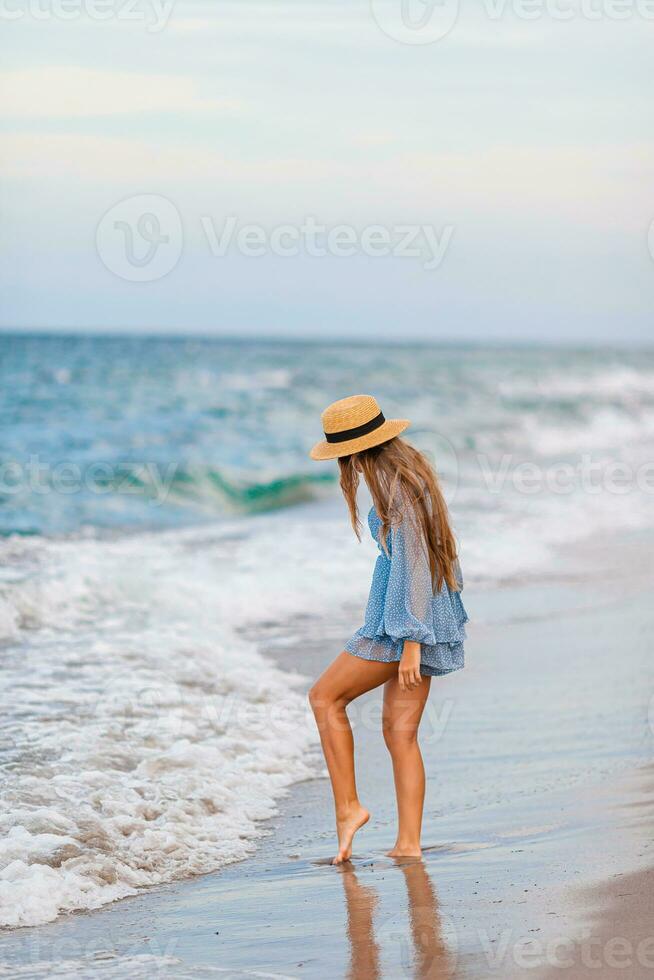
[600, 187]
[97, 159]
[601, 184]
[61, 92]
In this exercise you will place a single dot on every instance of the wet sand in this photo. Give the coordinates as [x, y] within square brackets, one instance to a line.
[615, 916]
[513, 883]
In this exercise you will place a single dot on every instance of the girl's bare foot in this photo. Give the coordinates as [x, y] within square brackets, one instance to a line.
[404, 852]
[346, 828]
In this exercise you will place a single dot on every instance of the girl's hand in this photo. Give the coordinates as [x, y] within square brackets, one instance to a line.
[409, 672]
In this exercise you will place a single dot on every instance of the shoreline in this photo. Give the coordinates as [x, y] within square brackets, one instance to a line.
[480, 853]
[510, 892]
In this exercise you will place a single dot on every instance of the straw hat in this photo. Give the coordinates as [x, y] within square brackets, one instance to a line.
[352, 424]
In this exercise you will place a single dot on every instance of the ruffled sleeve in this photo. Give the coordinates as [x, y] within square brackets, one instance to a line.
[408, 612]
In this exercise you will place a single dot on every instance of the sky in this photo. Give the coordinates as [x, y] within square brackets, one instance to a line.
[474, 170]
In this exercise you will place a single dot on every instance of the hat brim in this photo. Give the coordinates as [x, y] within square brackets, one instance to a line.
[332, 450]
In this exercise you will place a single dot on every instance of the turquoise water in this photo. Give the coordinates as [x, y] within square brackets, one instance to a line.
[122, 433]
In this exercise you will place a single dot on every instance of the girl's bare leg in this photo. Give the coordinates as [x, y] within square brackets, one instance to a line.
[401, 717]
[345, 679]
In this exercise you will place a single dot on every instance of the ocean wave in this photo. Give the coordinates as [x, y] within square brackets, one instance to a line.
[601, 383]
[154, 493]
[608, 429]
[212, 488]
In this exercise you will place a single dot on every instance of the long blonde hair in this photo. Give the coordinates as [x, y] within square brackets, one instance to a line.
[399, 476]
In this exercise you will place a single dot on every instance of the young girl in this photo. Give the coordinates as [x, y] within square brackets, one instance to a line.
[414, 623]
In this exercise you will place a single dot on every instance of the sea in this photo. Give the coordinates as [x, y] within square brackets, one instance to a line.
[159, 515]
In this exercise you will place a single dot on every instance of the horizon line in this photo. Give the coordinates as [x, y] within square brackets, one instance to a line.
[112, 333]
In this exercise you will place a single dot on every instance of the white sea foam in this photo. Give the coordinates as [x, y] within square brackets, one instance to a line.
[618, 383]
[605, 429]
[141, 966]
[146, 737]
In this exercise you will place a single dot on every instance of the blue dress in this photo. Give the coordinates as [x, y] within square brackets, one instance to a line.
[403, 606]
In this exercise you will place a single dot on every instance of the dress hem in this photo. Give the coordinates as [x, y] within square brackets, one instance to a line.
[427, 670]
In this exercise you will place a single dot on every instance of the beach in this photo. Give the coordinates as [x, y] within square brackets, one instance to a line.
[174, 573]
[544, 875]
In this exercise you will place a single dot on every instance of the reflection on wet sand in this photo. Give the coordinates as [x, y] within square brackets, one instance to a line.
[431, 957]
[361, 903]
[419, 948]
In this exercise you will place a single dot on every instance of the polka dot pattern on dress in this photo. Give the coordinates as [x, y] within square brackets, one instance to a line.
[402, 605]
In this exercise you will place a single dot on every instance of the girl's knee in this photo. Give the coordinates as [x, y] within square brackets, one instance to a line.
[322, 696]
[398, 738]
[316, 697]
